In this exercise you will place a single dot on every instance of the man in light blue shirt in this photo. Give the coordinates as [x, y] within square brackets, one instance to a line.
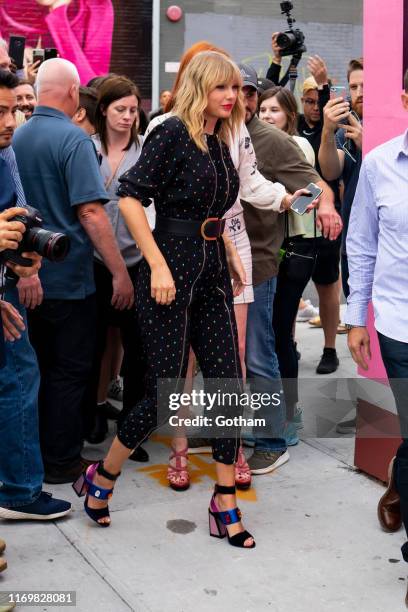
[377, 248]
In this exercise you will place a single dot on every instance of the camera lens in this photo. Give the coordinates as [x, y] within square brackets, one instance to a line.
[52, 245]
[285, 40]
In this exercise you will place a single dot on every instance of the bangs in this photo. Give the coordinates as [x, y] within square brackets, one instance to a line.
[222, 72]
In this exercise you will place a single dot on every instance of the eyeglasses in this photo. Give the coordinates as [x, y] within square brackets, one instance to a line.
[311, 102]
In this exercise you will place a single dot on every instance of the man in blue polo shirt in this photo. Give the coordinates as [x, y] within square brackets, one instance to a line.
[60, 174]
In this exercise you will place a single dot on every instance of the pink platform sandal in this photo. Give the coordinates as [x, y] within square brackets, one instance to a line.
[243, 476]
[178, 476]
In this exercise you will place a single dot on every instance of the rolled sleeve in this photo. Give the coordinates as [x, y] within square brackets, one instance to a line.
[362, 247]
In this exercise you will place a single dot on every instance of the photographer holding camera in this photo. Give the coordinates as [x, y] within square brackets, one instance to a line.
[290, 42]
[21, 468]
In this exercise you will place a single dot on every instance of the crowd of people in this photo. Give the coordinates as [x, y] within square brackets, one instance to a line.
[185, 253]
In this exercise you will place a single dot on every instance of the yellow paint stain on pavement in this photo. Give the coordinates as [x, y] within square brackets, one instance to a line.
[200, 466]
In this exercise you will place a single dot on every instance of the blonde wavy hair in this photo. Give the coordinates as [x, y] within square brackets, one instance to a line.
[203, 74]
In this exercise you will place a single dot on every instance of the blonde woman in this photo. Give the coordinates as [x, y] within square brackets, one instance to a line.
[261, 193]
[184, 294]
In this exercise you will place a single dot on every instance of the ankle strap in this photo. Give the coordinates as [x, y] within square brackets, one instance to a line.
[224, 490]
[102, 472]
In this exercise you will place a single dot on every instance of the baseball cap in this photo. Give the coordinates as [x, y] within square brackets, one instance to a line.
[308, 84]
[264, 84]
[249, 76]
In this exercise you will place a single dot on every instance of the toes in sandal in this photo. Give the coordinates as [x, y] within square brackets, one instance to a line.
[243, 476]
[220, 520]
[178, 476]
[85, 486]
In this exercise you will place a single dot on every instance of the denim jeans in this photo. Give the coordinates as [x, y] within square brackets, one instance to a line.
[263, 368]
[395, 358]
[21, 468]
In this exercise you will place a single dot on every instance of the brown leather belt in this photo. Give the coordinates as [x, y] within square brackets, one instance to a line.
[209, 229]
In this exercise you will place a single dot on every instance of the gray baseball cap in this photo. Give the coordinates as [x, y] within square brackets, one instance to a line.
[249, 76]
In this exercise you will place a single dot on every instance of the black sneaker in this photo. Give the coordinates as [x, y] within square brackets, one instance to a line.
[45, 508]
[329, 362]
[109, 411]
[197, 446]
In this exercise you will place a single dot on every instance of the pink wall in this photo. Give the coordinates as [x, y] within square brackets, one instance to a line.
[384, 117]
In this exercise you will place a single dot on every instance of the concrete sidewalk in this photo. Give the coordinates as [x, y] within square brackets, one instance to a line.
[319, 545]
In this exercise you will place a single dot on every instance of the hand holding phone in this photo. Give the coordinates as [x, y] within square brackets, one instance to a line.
[38, 56]
[305, 198]
[16, 50]
[338, 91]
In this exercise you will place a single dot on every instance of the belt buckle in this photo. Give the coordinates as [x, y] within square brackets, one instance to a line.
[202, 229]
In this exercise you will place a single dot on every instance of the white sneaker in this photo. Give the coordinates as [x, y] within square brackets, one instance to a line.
[307, 313]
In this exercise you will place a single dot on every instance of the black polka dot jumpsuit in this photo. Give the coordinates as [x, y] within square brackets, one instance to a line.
[186, 183]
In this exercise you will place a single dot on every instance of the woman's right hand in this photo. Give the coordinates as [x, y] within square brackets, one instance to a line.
[163, 288]
[276, 50]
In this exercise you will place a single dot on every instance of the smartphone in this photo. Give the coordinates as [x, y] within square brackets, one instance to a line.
[16, 50]
[50, 53]
[338, 91]
[302, 202]
[38, 56]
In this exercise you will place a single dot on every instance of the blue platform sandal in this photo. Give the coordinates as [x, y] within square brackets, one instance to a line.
[85, 486]
[220, 520]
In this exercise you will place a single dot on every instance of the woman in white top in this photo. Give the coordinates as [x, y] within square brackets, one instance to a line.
[259, 192]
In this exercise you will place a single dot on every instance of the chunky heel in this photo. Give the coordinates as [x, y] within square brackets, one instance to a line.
[84, 486]
[220, 520]
[217, 528]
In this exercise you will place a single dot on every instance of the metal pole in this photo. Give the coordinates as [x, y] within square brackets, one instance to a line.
[155, 54]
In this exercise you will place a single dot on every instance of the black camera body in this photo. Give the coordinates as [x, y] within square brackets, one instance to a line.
[292, 41]
[51, 245]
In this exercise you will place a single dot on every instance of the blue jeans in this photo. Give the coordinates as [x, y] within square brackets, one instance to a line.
[263, 368]
[21, 467]
[395, 358]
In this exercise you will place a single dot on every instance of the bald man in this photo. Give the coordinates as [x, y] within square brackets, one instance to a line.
[60, 174]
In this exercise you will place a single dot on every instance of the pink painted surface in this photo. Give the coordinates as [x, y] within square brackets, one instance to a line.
[384, 117]
[81, 30]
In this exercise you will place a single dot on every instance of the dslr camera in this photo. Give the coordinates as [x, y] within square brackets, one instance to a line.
[291, 42]
[51, 245]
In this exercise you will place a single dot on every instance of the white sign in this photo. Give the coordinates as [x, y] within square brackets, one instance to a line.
[171, 67]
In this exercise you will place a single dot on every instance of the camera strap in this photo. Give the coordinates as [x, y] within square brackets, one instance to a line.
[293, 71]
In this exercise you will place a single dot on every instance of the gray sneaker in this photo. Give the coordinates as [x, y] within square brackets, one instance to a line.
[199, 445]
[347, 427]
[263, 461]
